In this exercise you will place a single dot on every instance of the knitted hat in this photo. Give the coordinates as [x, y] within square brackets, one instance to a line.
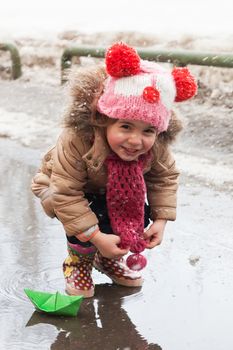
[141, 90]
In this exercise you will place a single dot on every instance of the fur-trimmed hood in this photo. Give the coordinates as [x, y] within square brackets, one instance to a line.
[85, 86]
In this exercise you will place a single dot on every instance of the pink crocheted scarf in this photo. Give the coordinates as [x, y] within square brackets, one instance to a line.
[126, 194]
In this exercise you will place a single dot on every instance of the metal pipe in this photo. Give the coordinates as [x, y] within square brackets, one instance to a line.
[178, 58]
[16, 71]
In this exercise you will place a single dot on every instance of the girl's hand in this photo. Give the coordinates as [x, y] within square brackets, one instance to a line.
[107, 244]
[154, 235]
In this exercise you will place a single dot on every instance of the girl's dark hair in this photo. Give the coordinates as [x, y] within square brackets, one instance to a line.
[101, 120]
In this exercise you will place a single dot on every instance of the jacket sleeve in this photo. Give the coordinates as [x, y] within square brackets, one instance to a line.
[68, 178]
[40, 184]
[162, 184]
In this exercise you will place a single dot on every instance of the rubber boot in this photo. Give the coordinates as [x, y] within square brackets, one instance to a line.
[118, 271]
[77, 269]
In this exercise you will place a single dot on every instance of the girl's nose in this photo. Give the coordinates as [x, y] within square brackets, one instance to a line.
[135, 139]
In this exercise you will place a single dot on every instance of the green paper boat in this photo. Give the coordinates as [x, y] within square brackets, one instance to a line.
[55, 303]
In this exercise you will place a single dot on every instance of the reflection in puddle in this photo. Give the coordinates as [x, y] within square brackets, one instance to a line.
[101, 323]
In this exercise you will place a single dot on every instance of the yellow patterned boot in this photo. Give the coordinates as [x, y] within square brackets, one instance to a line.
[77, 269]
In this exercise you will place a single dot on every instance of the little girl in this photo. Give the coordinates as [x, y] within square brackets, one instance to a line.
[113, 154]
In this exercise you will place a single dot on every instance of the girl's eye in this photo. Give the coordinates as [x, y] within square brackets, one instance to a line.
[149, 131]
[125, 126]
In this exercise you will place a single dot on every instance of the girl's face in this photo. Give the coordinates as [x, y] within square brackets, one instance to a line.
[129, 139]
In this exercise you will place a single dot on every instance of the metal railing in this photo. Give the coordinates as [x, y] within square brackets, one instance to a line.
[178, 58]
[16, 71]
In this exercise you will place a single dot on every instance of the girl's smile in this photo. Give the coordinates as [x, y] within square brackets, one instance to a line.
[129, 139]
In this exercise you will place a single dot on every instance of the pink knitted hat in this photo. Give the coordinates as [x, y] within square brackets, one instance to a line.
[141, 90]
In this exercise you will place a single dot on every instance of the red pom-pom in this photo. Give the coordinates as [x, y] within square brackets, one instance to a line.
[122, 60]
[151, 94]
[186, 86]
[136, 262]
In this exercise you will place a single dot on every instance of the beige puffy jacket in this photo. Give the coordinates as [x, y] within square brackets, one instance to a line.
[75, 165]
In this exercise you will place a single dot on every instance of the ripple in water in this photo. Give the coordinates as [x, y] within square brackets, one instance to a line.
[13, 282]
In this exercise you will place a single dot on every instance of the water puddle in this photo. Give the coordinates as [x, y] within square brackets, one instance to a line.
[182, 305]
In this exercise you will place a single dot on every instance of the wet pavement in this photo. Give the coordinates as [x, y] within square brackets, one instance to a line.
[185, 302]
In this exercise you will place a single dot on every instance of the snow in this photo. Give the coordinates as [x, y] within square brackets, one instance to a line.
[21, 126]
[203, 169]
